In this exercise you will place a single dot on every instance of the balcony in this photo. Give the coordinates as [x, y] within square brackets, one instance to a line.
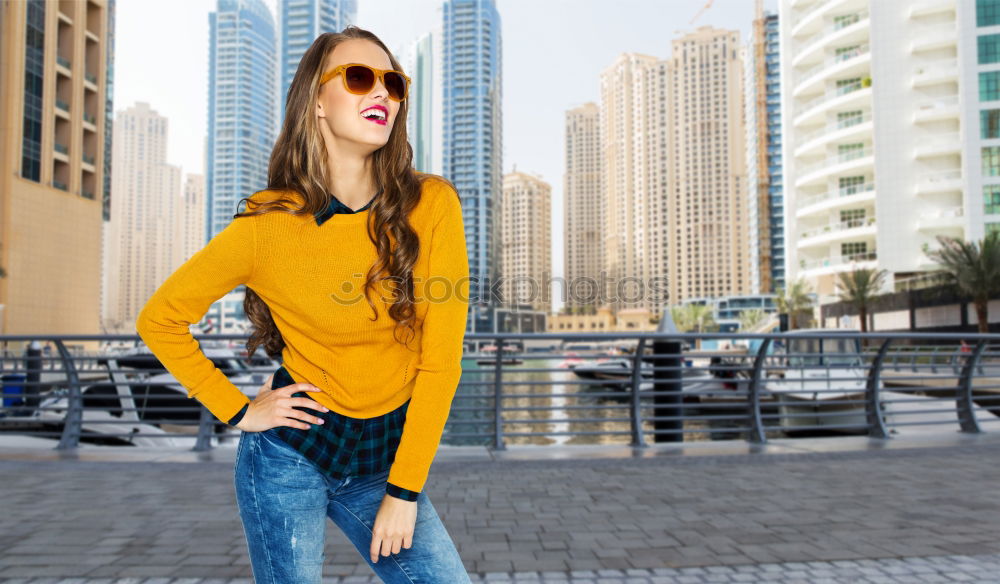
[842, 197]
[809, 19]
[840, 130]
[934, 37]
[951, 218]
[932, 183]
[817, 171]
[920, 8]
[939, 108]
[934, 73]
[932, 145]
[847, 97]
[833, 263]
[834, 33]
[823, 236]
[856, 61]
[63, 62]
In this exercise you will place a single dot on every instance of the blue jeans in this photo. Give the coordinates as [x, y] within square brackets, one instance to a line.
[284, 501]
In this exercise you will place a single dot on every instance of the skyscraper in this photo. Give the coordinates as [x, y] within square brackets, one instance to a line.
[472, 141]
[626, 109]
[55, 70]
[241, 98]
[142, 233]
[884, 148]
[420, 66]
[707, 242]
[301, 22]
[583, 204]
[526, 240]
[979, 78]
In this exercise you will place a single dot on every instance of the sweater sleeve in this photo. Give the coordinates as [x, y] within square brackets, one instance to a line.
[183, 299]
[439, 365]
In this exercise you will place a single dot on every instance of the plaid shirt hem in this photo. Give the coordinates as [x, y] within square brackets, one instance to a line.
[343, 445]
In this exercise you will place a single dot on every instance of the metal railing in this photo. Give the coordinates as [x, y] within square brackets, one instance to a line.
[633, 388]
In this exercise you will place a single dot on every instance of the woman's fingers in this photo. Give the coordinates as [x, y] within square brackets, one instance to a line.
[309, 403]
[376, 547]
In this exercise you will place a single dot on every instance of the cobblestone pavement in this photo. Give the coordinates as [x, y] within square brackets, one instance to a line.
[983, 569]
[927, 514]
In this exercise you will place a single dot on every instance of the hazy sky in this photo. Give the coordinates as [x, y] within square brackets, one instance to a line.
[553, 53]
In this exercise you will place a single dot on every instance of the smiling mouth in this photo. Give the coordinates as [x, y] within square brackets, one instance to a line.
[375, 115]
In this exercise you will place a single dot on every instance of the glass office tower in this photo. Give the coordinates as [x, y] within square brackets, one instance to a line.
[301, 22]
[241, 106]
[472, 138]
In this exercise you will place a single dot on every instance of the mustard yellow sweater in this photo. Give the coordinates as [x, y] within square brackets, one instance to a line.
[312, 278]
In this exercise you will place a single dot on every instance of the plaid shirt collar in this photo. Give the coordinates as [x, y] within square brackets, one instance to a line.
[336, 206]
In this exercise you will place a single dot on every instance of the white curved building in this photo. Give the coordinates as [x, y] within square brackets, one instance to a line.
[876, 151]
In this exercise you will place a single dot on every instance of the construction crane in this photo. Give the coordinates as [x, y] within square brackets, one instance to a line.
[763, 141]
[702, 11]
[758, 10]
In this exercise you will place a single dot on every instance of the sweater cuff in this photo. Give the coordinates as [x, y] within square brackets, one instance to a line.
[239, 415]
[401, 493]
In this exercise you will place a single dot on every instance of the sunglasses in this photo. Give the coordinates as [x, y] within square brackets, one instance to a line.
[360, 79]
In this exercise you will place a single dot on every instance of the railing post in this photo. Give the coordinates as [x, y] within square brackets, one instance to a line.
[873, 407]
[73, 421]
[757, 433]
[966, 412]
[668, 388]
[33, 365]
[636, 411]
[498, 443]
[206, 424]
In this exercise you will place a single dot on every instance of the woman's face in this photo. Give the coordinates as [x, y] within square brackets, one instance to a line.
[340, 110]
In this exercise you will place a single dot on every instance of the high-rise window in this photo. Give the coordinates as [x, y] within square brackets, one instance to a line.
[852, 217]
[847, 119]
[989, 123]
[991, 160]
[845, 53]
[34, 65]
[848, 85]
[989, 49]
[850, 185]
[987, 12]
[989, 86]
[843, 20]
[991, 199]
[850, 151]
[854, 250]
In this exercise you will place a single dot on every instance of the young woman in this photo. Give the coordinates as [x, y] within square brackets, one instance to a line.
[356, 275]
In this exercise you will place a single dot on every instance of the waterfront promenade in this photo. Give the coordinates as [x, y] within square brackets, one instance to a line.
[908, 509]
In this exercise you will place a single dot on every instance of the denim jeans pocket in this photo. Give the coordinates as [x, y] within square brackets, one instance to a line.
[280, 463]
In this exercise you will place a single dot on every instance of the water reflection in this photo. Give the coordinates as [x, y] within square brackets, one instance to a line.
[542, 407]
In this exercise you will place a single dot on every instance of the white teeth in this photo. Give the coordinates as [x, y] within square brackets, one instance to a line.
[374, 113]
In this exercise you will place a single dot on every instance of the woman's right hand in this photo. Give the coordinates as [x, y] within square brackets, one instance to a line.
[275, 407]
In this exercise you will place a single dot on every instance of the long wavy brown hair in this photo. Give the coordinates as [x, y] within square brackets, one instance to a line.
[299, 165]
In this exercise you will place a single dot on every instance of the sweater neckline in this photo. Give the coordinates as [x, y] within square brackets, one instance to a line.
[356, 217]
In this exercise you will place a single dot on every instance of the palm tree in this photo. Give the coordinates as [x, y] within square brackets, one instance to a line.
[794, 301]
[751, 317]
[860, 287]
[974, 267]
[694, 317]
